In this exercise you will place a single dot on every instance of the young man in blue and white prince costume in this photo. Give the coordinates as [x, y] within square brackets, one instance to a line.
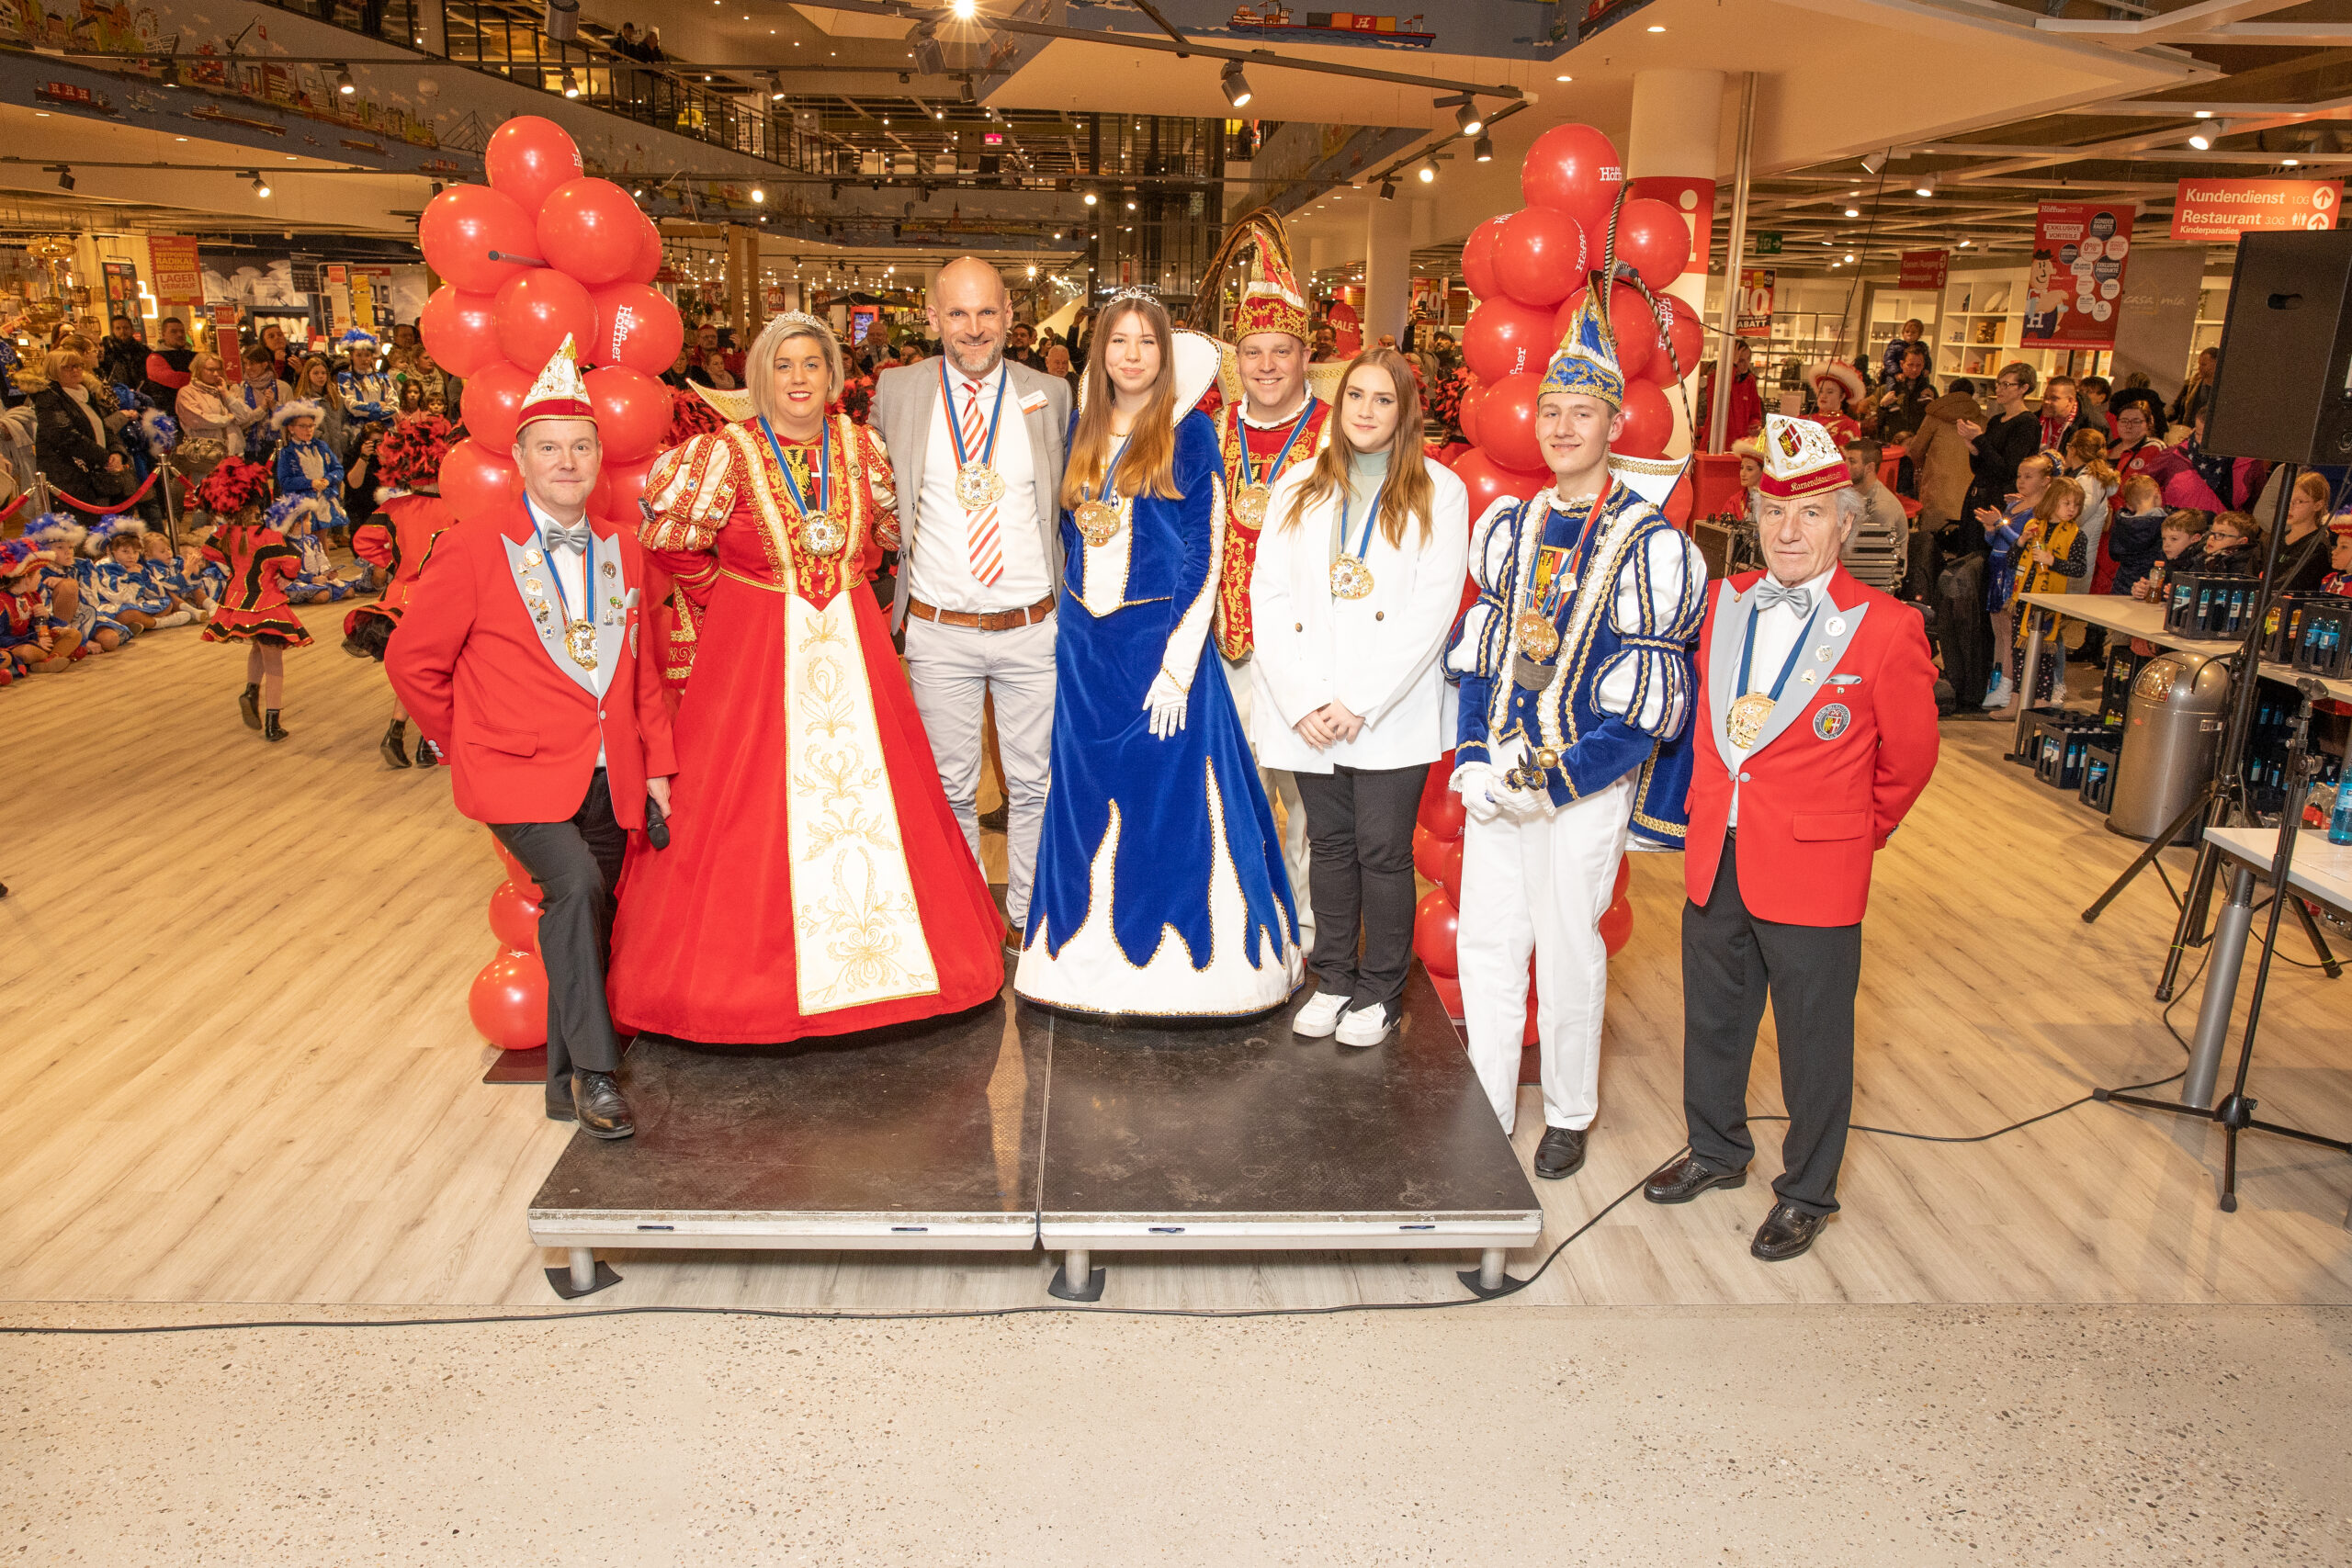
[1575, 672]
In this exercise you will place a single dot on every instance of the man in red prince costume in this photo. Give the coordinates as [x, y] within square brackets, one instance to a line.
[520, 658]
[1816, 731]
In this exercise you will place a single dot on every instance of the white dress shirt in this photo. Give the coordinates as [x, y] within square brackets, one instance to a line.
[569, 568]
[940, 569]
[1776, 633]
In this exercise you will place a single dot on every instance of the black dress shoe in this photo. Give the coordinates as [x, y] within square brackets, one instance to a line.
[1561, 1154]
[1786, 1231]
[596, 1101]
[995, 818]
[391, 748]
[1686, 1178]
[270, 729]
[559, 1102]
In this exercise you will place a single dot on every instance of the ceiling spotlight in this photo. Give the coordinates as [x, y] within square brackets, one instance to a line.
[1563, 78]
[2289, 162]
[1131, 205]
[1468, 120]
[171, 74]
[570, 83]
[776, 87]
[560, 20]
[1484, 150]
[1387, 189]
[343, 81]
[1236, 85]
[2204, 114]
[965, 9]
[64, 177]
[1091, 199]
[639, 193]
[1033, 272]
[2205, 135]
[1872, 163]
[1924, 188]
[261, 186]
[1849, 255]
[1427, 171]
[1654, 28]
[1853, 212]
[759, 194]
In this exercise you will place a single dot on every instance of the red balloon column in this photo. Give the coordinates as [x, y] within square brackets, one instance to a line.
[540, 253]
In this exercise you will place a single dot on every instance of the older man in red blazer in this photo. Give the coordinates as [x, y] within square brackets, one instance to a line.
[520, 658]
[1815, 730]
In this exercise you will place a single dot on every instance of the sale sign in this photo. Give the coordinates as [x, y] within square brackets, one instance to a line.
[2075, 283]
[1754, 314]
[1923, 269]
[177, 273]
[2222, 209]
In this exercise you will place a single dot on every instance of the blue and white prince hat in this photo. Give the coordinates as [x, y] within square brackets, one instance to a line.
[1586, 361]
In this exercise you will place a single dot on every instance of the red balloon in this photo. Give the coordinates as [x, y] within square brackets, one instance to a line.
[1688, 337]
[1449, 872]
[648, 265]
[1504, 337]
[515, 918]
[1428, 852]
[1573, 169]
[632, 411]
[463, 225]
[508, 1001]
[461, 329]
[1629, 318]
[1540, 256]
[1435, 928]
[636, 326]
[1478, 258]
[1434, 787]
[1487, 481]
[1678, 502]
[537, 312]
[516, 872]
[1466, 418]
[1450, 451]
[619, 486]
[1649, 422]
[592, 229]
[1624, 877]
[476, 481]
[1653, 238]
[1615, 925]
[1444, 817]
[1507, 424]
[529, 156]
[493, 401]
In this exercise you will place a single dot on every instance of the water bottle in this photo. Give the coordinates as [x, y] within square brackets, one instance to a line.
[2339, 821]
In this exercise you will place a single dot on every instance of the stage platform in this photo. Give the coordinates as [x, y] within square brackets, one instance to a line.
[1010, 1127]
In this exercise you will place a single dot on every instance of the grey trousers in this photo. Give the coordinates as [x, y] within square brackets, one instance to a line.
[952, 670]
[575, 863]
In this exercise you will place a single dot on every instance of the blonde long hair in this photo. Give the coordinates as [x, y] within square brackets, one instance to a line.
[1409, 491]
[1150, 467]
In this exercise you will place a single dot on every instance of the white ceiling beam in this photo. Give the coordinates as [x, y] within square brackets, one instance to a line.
[2189, 23]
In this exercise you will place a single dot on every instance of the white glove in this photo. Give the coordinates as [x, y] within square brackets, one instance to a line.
[1166, 702]
[1524, 805]
[1479, 786]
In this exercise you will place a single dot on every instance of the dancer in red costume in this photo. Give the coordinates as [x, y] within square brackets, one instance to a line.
[815, 881]
[399, 537]
[254, 610]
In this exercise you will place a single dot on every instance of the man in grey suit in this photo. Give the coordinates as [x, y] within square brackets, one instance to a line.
[976, 443]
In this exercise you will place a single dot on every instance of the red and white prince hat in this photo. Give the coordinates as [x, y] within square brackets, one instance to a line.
[1801, 458]
[559, 393]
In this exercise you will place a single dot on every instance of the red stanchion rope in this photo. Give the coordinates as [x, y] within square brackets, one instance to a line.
[111, 507]
[10, 510]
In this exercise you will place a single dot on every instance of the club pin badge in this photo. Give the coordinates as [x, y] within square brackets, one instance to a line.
[1831, 721]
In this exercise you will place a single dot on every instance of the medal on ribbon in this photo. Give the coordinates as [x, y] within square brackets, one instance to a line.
[1745, 720]
[1099, 520]
[978, 484]
[578, 632]
[1351, 575]
[819, 534]
[1252, 497]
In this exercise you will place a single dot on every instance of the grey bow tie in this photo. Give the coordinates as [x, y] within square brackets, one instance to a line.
[1769, 593]
[559, 537]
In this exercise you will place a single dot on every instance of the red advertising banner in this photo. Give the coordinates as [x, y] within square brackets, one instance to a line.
[178, 274]
[2222, 209]
[1923, 269]
[1752, 312]
[2075, 286]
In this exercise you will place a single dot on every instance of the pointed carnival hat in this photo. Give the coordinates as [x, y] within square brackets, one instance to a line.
[1801, 458]
[559, 393]
[1271, 301]
[1586, 361]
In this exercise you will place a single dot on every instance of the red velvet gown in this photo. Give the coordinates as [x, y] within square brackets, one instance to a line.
[815, 881]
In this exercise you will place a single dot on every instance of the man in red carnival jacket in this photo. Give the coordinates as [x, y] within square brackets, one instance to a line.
[1815, 731]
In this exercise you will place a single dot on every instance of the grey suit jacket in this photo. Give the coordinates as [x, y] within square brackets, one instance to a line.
[904, 401]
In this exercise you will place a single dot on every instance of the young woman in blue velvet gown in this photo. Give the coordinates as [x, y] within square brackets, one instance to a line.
[1161, 891]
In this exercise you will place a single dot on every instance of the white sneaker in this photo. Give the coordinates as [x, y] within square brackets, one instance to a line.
[1319, 1016]
[1364, 1026]
[1998, 695]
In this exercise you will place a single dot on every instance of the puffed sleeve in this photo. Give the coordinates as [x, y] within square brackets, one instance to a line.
[689, 493]
[1661, 595]
[880, 482]
[1200, 474]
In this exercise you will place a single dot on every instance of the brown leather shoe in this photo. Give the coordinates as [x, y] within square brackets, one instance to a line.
[1013, 937]
[1685, 1179]
[1786, 1231]
[596, 1100]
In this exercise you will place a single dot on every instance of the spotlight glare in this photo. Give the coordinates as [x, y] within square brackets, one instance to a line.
[343, 81]
[1427, 171]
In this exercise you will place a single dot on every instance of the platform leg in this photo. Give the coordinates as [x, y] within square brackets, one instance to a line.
[1078, 1280]
[2220, 990]
[1490, 1268]
[584, 1269]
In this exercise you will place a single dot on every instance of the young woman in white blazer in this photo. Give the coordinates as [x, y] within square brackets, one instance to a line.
[1359, 576]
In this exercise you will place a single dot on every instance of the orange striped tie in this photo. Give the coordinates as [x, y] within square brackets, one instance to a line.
[988, 549]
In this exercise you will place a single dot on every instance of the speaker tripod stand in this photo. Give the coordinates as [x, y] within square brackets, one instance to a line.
[2235, 1114]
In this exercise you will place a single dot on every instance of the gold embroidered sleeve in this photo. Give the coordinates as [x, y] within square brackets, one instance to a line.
[690, 491]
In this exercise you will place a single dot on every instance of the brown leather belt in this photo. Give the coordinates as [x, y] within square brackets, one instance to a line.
[998, 621]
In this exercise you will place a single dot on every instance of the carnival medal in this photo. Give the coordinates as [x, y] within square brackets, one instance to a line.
[1099, 520]
[818, 533]
[1746, 720]
[978, 484]
[1249, 504]
[1251, 500]
[1351, 575]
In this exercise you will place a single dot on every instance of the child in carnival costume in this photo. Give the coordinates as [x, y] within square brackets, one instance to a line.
[113, 579]
[298, 518]
[260, 563]
[398, 537]
[61, 537]
[307, 467]
[370, 396]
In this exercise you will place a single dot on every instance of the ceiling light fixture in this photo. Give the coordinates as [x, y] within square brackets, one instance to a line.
[560, 20]
[1563, 78]
[776, 87]
[343, 81]
[261, 186]
[2205, 135]
[1927, 186]
[64, 177]
[1235, 85]
[2289, 162]
[1387, 189]
[1468, 120]
[965, 9]
[758, 194]
[1428, 171]
[1483, 150]
[1872, 163]
[1091, 199]
[570, 83]
[1853, 212]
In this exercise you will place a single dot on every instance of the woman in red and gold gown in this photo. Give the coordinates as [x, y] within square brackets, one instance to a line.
[815, 881]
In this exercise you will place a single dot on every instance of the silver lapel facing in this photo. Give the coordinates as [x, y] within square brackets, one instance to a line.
[549, 626]
[1824, 648]
[1733, 612]
[608, 596]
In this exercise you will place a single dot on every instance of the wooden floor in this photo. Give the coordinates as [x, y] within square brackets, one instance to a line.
[238, 1065]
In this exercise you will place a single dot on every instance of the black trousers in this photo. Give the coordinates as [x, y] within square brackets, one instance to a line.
[1732, 963]
[1360, 837]
[575, 864]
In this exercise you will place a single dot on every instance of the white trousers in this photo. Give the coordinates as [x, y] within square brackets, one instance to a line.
[1541, 886]
[952, 670]
[1282, 786]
